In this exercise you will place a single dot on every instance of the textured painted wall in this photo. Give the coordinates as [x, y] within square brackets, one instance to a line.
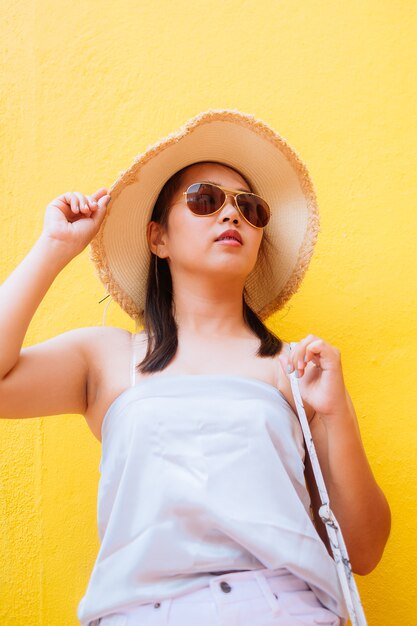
[84, 88]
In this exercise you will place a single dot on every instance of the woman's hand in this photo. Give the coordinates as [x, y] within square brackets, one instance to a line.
[73, 219]
[321, 380]
[358, 502]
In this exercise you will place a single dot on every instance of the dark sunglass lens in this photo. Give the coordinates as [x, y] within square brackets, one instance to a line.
[204, 199]
[255, 209]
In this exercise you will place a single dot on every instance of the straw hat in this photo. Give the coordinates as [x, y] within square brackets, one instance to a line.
[120, 251]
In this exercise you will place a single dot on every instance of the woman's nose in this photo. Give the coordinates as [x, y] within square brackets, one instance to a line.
[229, 209]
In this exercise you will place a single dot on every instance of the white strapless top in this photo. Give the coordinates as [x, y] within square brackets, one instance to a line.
[199, 474]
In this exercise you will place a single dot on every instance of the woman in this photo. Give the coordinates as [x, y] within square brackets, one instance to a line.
[205, 512]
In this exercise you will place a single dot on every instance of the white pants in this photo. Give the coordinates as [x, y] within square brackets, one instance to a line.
[248, 598]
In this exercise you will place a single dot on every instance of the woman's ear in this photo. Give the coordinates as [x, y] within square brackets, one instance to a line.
[156, 239]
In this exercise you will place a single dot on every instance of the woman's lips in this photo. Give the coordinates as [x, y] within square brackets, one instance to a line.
[229, 242]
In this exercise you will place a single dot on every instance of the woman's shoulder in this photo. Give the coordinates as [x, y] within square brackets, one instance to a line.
[102, 341]
[103, 334]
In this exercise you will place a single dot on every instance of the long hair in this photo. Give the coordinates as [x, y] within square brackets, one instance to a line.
[159, 322]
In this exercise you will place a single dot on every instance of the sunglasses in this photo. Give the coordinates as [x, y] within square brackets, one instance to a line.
[207, 199]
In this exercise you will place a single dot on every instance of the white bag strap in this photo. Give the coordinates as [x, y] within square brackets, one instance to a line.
[341, 557]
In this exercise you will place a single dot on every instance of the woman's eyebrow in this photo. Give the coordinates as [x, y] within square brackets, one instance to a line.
[213, 183]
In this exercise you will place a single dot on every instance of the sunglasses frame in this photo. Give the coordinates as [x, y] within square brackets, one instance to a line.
[229, 192]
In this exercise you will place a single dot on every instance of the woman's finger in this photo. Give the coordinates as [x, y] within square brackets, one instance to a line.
[92, 203]
[84, 204]
[296, 358]
[326, 356]
[79, 199]
[99, 193]
[307, 350]
[73, 202]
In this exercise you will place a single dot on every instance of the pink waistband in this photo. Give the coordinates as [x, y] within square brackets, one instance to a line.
[246, 583]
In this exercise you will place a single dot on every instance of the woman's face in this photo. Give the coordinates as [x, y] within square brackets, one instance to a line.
[190, 245]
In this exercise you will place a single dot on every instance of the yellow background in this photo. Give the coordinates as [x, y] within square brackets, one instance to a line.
[88, 85]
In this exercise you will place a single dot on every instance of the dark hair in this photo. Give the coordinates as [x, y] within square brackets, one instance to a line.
[159, 322]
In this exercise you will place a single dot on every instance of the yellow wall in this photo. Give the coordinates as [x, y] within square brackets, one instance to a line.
[86, 86]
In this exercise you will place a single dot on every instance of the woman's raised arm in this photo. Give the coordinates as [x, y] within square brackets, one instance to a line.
[50, 377]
